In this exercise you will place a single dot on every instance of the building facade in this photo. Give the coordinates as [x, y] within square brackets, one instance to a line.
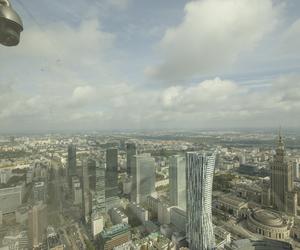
[283, 197]
[143, 178]
[177, 181]
[72, 160]
[199, 179]
[111, 174]
[130, 152]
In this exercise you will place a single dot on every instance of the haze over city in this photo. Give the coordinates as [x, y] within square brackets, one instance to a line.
[149, 125]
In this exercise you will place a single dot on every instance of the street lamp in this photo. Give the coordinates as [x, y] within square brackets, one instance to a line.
[10, 24]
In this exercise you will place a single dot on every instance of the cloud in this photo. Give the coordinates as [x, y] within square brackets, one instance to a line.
[213, 103]
[120, 4]
[212, 36]
[290, 40]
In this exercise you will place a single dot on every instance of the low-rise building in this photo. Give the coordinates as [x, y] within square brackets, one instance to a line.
[115, 236]
[117, 216]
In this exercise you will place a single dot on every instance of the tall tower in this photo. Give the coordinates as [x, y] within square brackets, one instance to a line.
[199, 180]
[281, 178]
[177, 181]
[111, 175]
[143, 177]
[130, 151]
[37, 224]
[72, 160]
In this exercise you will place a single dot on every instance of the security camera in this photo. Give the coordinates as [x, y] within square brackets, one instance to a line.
[10, 25]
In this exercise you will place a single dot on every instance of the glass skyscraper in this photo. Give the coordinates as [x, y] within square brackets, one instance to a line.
[199, 179]
[111, 175]
[72, 160]
[177, 181]
[143, 177]
[130, 152]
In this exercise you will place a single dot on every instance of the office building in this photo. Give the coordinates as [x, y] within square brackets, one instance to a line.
[99, 199]
[85, 192]
[283, 197]
[178, 218]
[10, 199]
[39, 192]
[117, 216]
[130, 151]
[115, 236]
[177, 181]
[111, 174]
[143, 177]
[72, 170]
[77, 190]
[199, 179]
[92, 164]
[37, 224]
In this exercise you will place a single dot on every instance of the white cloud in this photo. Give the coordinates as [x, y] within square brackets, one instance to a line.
[213, 35]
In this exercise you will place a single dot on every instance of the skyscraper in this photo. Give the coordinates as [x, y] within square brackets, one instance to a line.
[85, 191]
[37, 224]
[130, 151]
[92, 173]
[111, 175]
[143, 177]
[177, 181]
[283, 197]
[99, 195]
[199, 179]
[71, 160]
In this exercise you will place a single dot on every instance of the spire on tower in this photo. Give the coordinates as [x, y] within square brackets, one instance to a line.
[280, 141]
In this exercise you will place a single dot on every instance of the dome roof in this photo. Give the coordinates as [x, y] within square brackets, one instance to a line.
[268, 218]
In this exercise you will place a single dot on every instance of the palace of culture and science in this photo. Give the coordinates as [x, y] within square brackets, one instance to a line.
[281, 194]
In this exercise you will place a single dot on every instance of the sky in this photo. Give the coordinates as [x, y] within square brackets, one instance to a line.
[139, 64]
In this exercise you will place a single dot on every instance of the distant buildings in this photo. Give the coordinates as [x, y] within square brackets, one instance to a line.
[37, 224]
[199, 179]
[143, 177]
[130, 152]
[177, 181]
[283, 197]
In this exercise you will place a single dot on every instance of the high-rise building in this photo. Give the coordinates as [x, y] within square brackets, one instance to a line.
[283, 196]
[85, 192]
[111, 175]
[37, 224]
[99, 198]
[130, 151]
[39, 191]
[92, 173]
[72, 160]
[199, 180]
[143, 177]
[177, 181]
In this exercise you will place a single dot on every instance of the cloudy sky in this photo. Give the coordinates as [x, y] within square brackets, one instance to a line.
[140, 64]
